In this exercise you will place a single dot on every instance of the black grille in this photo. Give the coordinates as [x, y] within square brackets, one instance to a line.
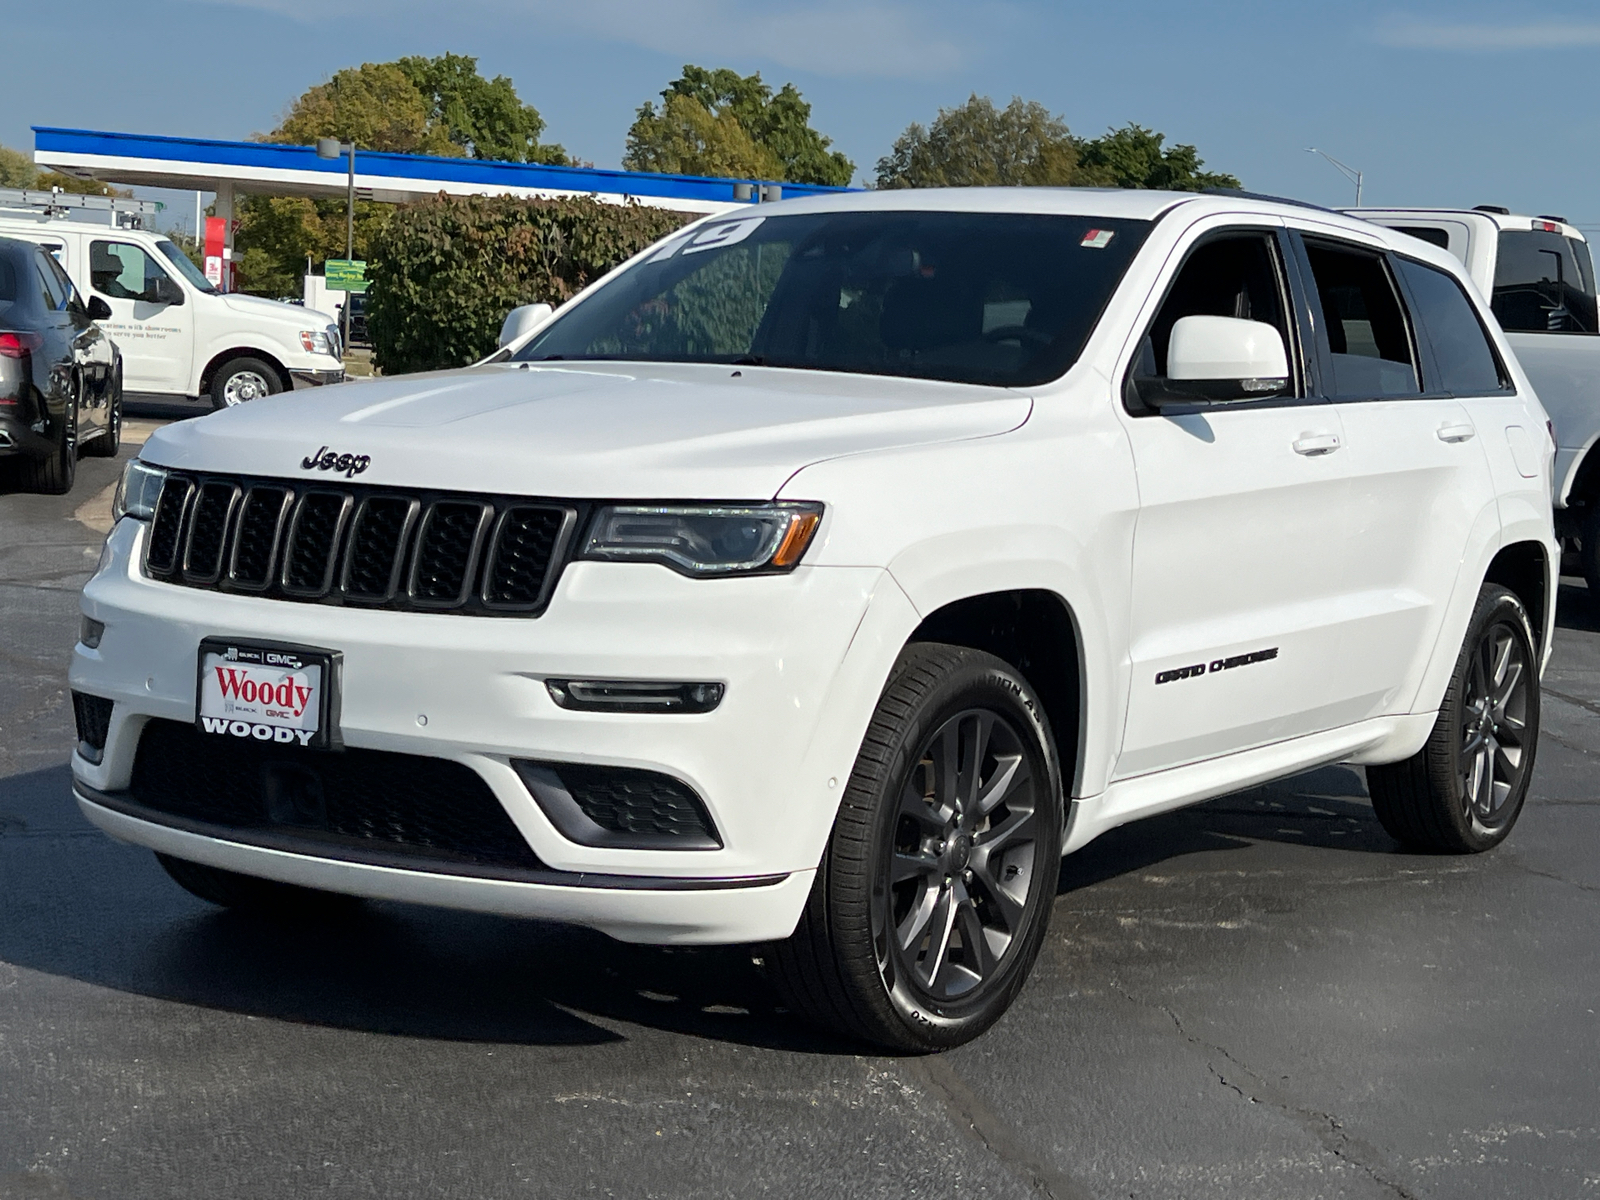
[161, 555]
[93, 715]
[403, 804]
[390, 548]
[256, 540]
[377, 547]
[524, 544]
[447, 551]
[208, 531]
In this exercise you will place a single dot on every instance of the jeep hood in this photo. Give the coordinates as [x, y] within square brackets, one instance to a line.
[582, 430]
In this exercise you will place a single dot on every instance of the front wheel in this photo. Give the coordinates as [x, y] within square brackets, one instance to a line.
[1463, 791]
[109, 442]
[935, 890]
[242, 380]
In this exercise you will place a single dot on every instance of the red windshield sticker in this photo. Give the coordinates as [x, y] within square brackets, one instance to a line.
[1098, 239]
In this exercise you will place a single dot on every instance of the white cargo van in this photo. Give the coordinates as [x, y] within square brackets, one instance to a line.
[1539, 278]
[178, 334]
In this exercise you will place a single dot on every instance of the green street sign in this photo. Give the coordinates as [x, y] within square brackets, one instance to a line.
[345, 274]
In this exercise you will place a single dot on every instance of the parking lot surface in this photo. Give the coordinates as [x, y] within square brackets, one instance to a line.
[1259, 996]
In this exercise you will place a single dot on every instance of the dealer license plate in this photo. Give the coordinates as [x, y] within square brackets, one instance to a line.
[267, 693]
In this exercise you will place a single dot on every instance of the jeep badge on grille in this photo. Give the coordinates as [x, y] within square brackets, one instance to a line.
[326, 460]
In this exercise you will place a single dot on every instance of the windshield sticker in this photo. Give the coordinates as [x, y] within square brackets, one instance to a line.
[1097, 239]
[668, 250]
[724, 233]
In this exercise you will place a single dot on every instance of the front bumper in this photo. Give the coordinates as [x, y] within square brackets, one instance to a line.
[303, 379]
[803, 658]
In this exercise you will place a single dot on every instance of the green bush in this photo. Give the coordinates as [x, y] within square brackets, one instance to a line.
[445, 272]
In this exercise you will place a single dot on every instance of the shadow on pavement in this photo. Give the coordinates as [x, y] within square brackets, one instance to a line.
[163, 408]
[1576, 608]
[77, 906]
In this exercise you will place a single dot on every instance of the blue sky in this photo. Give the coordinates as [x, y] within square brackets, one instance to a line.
[1460, 103]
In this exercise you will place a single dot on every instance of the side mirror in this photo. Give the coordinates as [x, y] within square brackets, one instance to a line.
[524, 319]
[1225, 358]
[166, 291]
[98, 309]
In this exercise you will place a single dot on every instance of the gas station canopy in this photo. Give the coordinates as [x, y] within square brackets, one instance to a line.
[263, 168]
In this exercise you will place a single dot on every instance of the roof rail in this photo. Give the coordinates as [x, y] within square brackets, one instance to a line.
[120, 211]
[1244, 195]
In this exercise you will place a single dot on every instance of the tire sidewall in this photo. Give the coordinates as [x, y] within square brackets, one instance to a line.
[979, 682]
[1496, 606]
[219, 386]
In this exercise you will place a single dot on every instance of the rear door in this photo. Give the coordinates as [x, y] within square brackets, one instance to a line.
[150, 320]
[1423, 487]
[1244, 537]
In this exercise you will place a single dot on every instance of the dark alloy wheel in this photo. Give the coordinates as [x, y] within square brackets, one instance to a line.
[933, 896]
[960, 861]
[1464, 790]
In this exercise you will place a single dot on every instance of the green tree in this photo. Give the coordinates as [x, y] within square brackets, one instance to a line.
[1133, 157]
[484, 117]
[977, 145]
[16, 168]
[413, 106]
[702, 112]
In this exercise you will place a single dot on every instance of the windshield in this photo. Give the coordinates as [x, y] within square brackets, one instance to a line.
[185, 266]
[992, 298]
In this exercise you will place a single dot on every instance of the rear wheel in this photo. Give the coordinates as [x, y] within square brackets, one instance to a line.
[54, 474]
[935, 890]
[1463, 791]
[242, 380]
[1589, 550]
[247, 893]
[109, 442]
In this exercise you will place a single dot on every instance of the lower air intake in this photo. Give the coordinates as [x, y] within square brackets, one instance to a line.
[93, 716]
[619, 807]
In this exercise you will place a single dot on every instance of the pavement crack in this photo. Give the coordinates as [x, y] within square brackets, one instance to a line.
[996, 1135]
[1590, 705]
[1325, 1127]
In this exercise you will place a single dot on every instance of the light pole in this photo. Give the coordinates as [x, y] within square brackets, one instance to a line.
[332, 148]
[1350, 173]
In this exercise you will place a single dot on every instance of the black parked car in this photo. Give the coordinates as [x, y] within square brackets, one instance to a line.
[60, 375]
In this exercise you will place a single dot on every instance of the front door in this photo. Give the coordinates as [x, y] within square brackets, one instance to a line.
[1243, 540]
[150, 320]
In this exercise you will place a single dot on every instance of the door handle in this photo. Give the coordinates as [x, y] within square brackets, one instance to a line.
[1313, 444]
[1456, 433]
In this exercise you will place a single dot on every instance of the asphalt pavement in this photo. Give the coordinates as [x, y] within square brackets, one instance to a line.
[1261, 996]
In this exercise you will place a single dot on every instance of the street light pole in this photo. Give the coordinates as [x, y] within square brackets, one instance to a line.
[332, 148]
[1350, 173]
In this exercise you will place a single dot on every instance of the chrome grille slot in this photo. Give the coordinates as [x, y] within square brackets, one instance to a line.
[355, 544]
[378, 538]
[208, 531]
[255, 541]
[526, 540]
[447, 553]
[166, 527]
[313, 541]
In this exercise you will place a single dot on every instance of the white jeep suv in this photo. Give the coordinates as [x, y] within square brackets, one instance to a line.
[823, 575]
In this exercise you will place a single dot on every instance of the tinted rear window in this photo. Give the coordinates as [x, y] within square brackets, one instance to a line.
[1543, 283]
[1431, 234]
[991, 298]
[1467, 364]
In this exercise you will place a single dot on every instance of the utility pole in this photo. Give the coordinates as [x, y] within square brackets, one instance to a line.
[1350, 173]
[332, 148]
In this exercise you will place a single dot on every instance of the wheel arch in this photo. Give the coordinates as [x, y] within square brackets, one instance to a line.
[1523, 569]
[222, 358]
[1035, 631]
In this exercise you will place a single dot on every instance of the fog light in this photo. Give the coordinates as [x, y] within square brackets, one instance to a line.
[634, 695]
[90, 631]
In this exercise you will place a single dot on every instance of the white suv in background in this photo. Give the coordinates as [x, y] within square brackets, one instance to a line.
[180, 336]
[821, 576]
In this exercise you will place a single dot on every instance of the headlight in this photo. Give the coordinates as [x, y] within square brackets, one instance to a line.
[704, 539]
[137, 493]
[320, 341]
